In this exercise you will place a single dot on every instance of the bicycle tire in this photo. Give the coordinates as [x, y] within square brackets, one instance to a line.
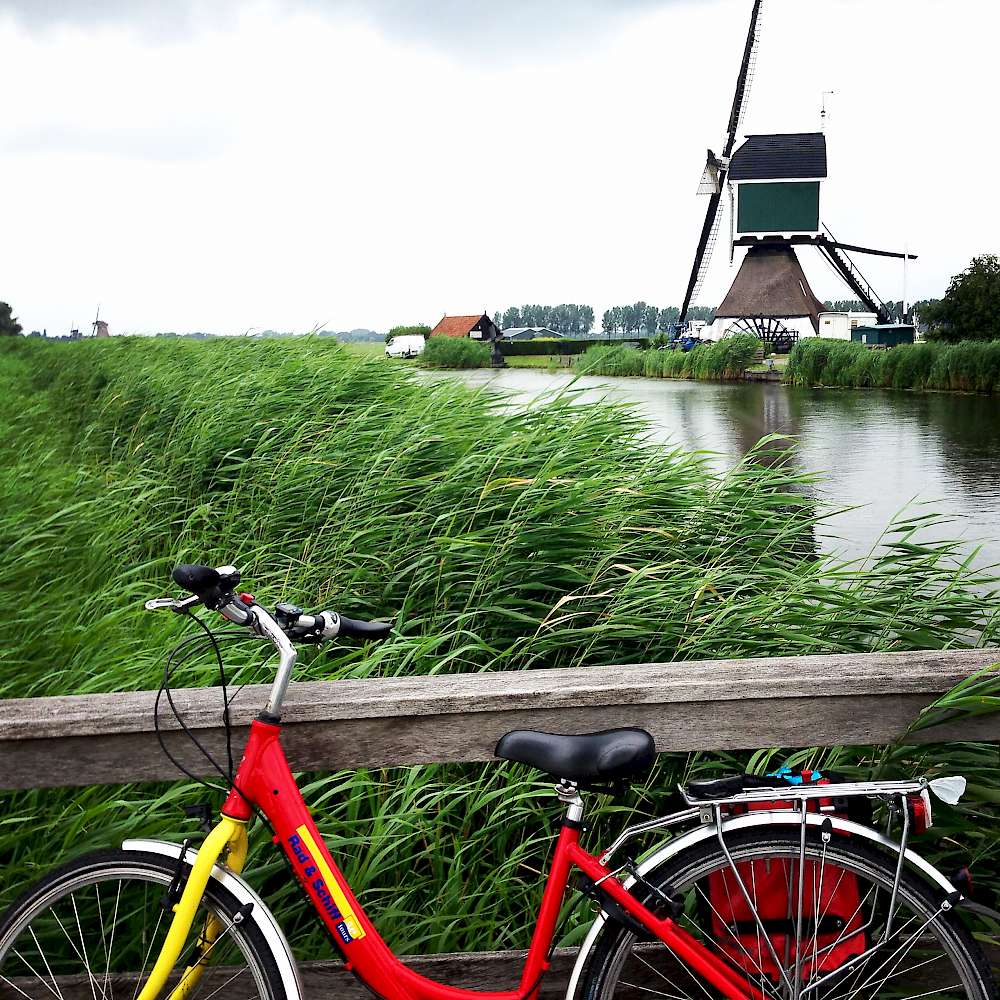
[68, 895]
[610, 969]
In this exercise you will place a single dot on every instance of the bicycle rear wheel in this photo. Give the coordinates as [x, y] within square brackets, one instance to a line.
[92, 929]
[852, 940]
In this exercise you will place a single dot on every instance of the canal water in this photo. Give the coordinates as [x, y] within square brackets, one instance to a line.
[878, 452]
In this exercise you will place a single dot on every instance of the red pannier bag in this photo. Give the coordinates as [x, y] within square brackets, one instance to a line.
[830, 893]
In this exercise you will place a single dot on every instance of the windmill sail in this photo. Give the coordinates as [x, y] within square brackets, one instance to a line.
[710, 228]
[710, 178]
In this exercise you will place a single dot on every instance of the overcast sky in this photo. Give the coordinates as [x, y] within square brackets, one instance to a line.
[222, 166]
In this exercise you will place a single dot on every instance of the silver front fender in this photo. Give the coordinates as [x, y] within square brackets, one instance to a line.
[658, 855]
[260, 915]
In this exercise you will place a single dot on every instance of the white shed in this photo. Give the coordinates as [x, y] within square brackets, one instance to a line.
[839, 325]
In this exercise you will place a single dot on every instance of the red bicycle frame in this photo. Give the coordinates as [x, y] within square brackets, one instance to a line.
[264, 779]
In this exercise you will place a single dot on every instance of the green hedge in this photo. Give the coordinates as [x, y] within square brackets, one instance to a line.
[549, 348]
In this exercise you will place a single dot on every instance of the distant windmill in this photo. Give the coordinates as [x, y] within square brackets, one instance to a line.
[99, 327]
[774, 187]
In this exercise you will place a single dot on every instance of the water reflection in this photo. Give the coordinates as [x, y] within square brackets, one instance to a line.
[878, 451]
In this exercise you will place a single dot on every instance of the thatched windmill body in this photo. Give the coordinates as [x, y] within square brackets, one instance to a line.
[774, 184]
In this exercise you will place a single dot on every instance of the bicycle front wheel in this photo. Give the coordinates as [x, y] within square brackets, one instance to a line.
[847, 935]
[93, 928]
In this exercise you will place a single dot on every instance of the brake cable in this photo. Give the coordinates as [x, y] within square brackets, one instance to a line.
[176, 658]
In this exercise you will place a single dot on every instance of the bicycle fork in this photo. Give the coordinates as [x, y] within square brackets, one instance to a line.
[228, 837]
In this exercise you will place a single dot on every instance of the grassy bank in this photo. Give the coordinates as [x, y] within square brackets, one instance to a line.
[728, 359]
[551, 363]
[969, 366]
[496, 539]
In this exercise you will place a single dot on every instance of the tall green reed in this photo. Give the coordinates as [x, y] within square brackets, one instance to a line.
[726, 360]
[455, 352]
[968, 366]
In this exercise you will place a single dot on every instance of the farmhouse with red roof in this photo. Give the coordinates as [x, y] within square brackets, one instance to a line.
[476, 327]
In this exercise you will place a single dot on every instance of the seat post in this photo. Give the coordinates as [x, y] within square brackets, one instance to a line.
[569, 794]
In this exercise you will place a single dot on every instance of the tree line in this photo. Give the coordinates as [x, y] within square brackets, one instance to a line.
[573, 320]
[641, 318]
[569, 319]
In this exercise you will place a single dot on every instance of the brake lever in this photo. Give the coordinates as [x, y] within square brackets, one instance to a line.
[179, 607]
[306, 638]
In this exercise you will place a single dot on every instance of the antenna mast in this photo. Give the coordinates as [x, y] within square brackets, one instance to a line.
[822, 114]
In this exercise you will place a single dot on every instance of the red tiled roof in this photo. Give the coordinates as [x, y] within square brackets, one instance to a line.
[455, 326]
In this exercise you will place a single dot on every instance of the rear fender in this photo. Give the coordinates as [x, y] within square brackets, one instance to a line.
[260, 915]
[664, 852]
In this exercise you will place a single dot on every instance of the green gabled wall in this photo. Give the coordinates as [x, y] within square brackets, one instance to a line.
[785, 207]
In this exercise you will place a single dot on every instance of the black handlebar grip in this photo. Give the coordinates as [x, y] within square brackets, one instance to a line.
[200, 580]
[213, 586]
[367, 631]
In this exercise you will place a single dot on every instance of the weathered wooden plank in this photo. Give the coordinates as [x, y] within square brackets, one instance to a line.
[486, 970]
[499, 970]
[705, 705]
[446, 694]
[493, 970]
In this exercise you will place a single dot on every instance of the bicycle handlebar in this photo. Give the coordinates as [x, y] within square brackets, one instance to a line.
[327, 625]
[215, 588]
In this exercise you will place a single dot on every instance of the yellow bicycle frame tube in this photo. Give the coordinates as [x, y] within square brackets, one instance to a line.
[229, 834]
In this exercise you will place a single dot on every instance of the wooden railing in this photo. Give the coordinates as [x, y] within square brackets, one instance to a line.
[847, 699]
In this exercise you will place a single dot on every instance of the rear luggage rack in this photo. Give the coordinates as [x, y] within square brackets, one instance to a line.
[715, 798]
[721, 793]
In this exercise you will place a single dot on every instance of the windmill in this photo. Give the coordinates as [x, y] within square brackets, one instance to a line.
[774, 184]
[99, 327]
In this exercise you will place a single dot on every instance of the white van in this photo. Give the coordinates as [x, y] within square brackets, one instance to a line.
[405, 347]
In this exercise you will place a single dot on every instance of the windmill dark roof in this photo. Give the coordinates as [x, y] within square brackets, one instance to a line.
[773, 157]
[770, 285]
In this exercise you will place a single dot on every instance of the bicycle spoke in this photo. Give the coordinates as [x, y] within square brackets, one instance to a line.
[743, 889]
[858, 910]
[817, 894]
[149, 949]
[858, 972]
[929, 993]
[14, 986]
[910, 970]
[240, 973]
[41, 952]
[104, 939]
[631, 986]
[72, 945]
[83, 946]
[35, 973]
[659, 972]
[732, 934]
[902, 951]
[114, 927]
[208, 951]
[764, 984]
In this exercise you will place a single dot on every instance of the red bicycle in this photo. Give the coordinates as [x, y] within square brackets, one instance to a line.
[775, 888]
